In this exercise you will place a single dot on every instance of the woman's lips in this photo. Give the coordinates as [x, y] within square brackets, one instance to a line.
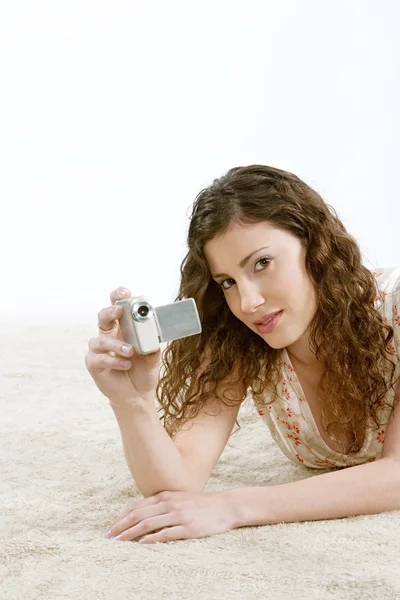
[265, 318]
[271, 324]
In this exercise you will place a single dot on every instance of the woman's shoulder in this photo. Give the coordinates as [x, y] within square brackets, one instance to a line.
[387, 301]
[387, 290]
[388, 279]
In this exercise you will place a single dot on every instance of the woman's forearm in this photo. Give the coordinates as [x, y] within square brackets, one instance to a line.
[370, 488]
[154, 461]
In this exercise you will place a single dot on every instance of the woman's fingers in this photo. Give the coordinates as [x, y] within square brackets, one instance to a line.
[109, 351]
[123, 514]
[118, 294]
[105, 343]
[105, 361]
[107, 316]
[106, 352]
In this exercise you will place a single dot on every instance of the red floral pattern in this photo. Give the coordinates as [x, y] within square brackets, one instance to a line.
[381, 436]
[396, 316]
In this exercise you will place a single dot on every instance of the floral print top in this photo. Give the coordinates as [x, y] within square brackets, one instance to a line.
[290, 419]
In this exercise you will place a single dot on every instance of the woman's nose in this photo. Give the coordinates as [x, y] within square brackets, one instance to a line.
[250, 300]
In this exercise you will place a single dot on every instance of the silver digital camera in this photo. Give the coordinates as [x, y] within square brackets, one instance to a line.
[145, 327]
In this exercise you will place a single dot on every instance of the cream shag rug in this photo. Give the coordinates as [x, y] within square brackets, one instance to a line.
[64, 481]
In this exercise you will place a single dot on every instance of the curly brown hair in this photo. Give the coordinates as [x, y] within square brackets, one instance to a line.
[347, 334]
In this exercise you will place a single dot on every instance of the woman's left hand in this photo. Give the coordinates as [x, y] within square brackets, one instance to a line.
[179, 515]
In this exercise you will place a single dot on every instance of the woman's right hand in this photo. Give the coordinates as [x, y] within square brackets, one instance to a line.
[138, 379]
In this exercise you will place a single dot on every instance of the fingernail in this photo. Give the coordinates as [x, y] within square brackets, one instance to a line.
[118, 537]
[108, 534]
[124, 291]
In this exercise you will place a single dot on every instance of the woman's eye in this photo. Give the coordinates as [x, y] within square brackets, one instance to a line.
[265, 260]
[264, 264]
[222, 284]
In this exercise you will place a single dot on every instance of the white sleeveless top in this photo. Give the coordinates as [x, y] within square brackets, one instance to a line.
[290, 420]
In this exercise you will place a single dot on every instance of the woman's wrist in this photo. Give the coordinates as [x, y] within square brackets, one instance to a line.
[131, 403]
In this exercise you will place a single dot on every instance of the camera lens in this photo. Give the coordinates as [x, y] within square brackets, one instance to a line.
[143, 310]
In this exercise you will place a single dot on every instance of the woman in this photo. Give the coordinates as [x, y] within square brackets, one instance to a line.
[288, 310]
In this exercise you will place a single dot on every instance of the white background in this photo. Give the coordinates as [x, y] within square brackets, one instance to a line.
[114, 115]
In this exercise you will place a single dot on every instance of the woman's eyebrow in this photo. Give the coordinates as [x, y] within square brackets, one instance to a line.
[242, 263]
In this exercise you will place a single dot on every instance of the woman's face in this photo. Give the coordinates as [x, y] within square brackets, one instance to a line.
[273, 278]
